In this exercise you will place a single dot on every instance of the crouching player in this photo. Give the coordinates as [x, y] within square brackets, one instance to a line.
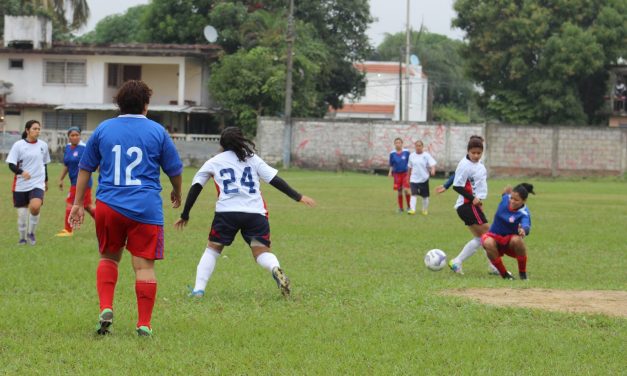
[512, 222]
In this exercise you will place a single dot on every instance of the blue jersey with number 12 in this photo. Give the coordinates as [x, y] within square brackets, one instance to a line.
[130, 151]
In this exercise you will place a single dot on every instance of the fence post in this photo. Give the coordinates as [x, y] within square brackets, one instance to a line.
[555, 151]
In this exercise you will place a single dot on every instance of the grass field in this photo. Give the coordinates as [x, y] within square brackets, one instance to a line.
[363, 303]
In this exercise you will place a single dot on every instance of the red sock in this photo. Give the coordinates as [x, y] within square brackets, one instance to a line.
[146, 292]
[67, 226]
[400, 202]
[407, 198]
[498, 263]
[106, 278]
[522, 264]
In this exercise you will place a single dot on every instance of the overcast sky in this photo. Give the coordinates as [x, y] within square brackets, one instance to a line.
[390, 14]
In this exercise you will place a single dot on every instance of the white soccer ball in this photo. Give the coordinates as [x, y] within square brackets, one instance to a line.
[435, 259]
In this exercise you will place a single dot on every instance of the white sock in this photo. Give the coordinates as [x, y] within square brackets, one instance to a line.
[425, 203]
[33, 220]
[469, 249]
[205, 268]
[268, 261]
[22, 221]
[412, 203]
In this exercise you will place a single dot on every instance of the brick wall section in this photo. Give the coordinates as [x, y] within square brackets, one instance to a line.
[511, 149]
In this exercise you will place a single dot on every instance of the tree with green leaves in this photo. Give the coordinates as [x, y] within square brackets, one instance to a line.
[181, 21]
[543, 61]
[56, 10]
[118, 28]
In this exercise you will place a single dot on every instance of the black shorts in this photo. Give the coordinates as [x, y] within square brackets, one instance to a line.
[420, 189]
[471, 214]
[253, 226]
[21, 199]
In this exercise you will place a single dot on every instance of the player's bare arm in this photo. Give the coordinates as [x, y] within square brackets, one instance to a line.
[175, 195]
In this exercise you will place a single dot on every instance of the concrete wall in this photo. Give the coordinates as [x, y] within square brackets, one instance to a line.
[510, 149]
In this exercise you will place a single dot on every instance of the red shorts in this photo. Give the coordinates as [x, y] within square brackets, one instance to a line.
[401, 180]
[72, 195]
[502, 243]
[114, 231]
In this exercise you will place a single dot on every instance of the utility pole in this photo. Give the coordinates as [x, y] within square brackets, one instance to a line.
[287, 129]
[407, 39]
[400, 84]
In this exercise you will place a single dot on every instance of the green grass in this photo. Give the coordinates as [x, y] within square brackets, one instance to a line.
[363, 302]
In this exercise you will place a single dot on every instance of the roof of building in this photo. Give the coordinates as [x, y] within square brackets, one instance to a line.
[365, 108]
[386, 68]
[123, 49]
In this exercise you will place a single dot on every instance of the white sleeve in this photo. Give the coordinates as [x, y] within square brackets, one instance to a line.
[432, 162]
[13, 156]
[265, 172]
[461, 174]
[47, 155]
[206, 172]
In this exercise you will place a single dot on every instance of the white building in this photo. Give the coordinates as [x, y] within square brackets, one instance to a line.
[383, 97]
[67, 85]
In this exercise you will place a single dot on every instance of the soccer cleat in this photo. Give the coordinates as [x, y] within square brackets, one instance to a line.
[64, 233]
[411, 212]
[22, 242]
[196, 294]
[31, 239]
[400, 211]
[281, 281]
[457, 268]
[508, 276]
[492, 270]
[144, 331]
[105, 319]
[523, 276]
[425, 212]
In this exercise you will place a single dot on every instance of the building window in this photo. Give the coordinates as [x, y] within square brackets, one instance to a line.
[16, 63]
[64, 120]
[65, 72]
[117, 74]
[12, 112]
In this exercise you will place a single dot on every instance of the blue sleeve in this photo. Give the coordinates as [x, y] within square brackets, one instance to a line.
[90, 160]
[170, 161]
[449, 182]
[391, 162]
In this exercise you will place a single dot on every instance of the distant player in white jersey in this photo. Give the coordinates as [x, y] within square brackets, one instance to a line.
[421, 166]
[240, 207]
[27, 159]
[471, 183]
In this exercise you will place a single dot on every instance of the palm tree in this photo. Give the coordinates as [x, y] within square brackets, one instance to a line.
[59, 8]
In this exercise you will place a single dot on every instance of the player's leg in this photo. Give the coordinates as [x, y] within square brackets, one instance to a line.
[398, 187]
[491, 246]
[424, 193]
[111, 231]
[69, 201]
[205, 268]
[34, 206]
[414, 197]
[517, 245]
[256, 232]
[146, 292]
[20, 202]
[406, 190]
[476, 222]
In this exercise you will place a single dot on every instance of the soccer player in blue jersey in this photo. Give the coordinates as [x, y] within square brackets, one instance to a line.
[398, 170]
[71, 156]
[129, 150]
[512, 222]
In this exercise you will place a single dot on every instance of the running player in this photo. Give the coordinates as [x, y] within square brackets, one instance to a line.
[71, 156]
[28, 159]
[236, 172]
[129, 150]
[512, 222]
[471, 183]
[398, 169]
[421, 165]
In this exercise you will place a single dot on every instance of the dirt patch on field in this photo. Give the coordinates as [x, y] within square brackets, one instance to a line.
[611, 303]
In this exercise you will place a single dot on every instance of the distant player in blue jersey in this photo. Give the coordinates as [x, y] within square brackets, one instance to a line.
[71, 156]
[398, 170]
[130, 150]
[512, 222]
[237, 172]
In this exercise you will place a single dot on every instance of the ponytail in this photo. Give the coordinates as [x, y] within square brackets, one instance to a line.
[523, 190]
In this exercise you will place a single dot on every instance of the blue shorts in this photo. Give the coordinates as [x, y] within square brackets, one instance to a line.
[253, 226]
[21, 199]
